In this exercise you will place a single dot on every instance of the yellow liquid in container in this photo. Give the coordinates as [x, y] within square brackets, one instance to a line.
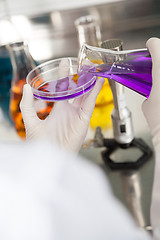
[101, 116]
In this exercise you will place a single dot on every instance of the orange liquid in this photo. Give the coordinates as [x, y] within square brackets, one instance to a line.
[15, 112]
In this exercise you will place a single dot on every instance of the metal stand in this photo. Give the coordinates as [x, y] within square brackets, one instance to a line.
[111, 146]
[122, 123]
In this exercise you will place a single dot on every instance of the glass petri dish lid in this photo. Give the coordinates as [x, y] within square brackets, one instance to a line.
[57, 80]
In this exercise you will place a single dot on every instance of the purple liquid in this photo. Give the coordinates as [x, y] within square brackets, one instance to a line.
[59, 98]
[65, 88]
[135, 72]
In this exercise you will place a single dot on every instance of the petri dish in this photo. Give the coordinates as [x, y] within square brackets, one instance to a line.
[57, 80]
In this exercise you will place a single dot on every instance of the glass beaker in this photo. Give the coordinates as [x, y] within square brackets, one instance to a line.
[88, 28]
[131, 68]
[22, 63]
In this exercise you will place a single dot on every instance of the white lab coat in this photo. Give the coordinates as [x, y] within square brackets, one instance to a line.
[49, 194]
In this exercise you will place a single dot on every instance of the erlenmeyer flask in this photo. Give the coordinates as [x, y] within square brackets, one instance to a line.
[8, 34]
[22, 63]
[132, 68]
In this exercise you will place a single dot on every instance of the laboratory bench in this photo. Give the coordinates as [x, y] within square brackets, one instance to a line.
[132, 185]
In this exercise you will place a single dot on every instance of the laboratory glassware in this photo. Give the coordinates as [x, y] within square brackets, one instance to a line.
[88, 29]
[50, 83]
[8, 34]
[131, 68]
[22, 63]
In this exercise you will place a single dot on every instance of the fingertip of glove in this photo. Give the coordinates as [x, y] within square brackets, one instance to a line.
[27, 94]
[26, 87]
[27, 90]
[101, 80]
[152, 41]
[99, 83]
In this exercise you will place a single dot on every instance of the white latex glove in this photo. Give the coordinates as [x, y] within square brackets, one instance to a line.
[151, 106]
[151, 110]
[67, 123]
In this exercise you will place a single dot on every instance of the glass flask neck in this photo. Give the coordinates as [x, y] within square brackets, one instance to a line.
[88, 29]
[21, 59]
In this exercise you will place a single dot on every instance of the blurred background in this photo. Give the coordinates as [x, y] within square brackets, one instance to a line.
[49, 27]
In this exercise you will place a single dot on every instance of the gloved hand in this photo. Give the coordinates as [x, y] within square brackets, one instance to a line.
[67, 123]
[151, 110]
[151, 106]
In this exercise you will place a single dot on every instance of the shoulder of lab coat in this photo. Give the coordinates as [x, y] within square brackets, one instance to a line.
[46, 193]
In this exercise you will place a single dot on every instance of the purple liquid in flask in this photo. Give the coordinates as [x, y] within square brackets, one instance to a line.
[134, 71]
